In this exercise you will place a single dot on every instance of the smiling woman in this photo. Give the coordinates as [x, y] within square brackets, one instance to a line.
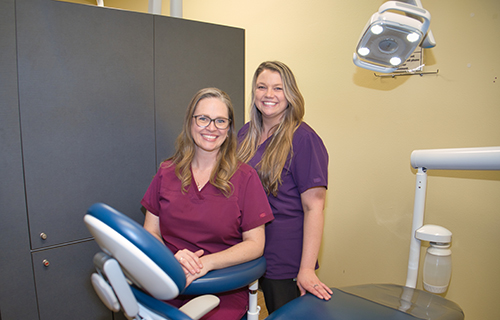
[211, 128]
[292, 163]
[208, 208]
[270, 99]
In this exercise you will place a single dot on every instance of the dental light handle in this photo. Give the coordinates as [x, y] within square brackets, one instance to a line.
[409, 9]
[428, 41]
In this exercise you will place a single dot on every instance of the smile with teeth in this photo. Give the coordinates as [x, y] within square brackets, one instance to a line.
[269, 103]
[209, 137]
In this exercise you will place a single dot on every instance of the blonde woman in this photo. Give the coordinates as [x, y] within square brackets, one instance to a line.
[207, 207]
[292, 163]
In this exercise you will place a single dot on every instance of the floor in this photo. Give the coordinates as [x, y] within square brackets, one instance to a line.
[262, 304]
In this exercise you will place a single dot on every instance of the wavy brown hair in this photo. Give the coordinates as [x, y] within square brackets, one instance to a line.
[226, 164]
[280, 146]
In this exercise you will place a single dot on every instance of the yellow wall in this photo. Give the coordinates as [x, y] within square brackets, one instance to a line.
[371, 125]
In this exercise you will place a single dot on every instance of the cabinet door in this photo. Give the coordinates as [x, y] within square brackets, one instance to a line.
[189, 56]
[87, 113]
[63, 285]
[17, 290]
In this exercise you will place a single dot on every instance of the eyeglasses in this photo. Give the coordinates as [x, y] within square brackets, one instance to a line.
[203, 121]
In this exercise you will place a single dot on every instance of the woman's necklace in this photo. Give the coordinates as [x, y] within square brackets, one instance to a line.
[200, 186]
[201, 178]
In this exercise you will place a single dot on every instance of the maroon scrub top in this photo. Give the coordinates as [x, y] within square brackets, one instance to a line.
[206, 219]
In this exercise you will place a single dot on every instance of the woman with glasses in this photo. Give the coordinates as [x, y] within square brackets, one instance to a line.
[292, 163]
[207, 207]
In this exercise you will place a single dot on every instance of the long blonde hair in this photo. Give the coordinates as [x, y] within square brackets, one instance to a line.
[226, 164]
[280, 146]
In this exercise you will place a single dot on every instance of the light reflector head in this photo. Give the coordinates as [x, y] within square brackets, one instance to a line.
[390, 38]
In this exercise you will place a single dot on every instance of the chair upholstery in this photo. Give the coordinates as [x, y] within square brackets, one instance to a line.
[371, 302]
[156, 275]
[151, 266]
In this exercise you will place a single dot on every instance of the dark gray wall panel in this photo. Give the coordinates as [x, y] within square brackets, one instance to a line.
[83, 131]
[64, 289]
[87, 113]
[17, 291]
[190, 56]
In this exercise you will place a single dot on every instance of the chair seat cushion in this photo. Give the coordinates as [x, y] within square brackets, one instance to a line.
[371, 302]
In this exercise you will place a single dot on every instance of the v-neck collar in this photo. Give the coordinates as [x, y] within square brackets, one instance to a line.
[194, 187]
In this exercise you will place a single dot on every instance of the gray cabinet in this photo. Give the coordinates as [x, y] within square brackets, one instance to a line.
[63, 287]
[92, 100]
[86, 88]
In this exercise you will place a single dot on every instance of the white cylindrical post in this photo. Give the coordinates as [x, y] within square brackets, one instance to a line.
[154, 6]
[418, 221]
[176, 8]
[253, 307]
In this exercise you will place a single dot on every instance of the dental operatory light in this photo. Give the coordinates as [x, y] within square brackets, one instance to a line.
[392, 34]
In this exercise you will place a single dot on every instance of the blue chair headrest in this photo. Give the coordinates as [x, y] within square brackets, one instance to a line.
[145, 260]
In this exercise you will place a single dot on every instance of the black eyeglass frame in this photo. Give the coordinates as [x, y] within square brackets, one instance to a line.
[211, 120]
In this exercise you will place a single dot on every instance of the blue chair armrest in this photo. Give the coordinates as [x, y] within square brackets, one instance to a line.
[227, 279]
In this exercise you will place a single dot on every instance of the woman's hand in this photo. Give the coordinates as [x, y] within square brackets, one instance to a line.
[191, 277]
[194, 265]
[308, 281]
[313, 202]
[190, 261]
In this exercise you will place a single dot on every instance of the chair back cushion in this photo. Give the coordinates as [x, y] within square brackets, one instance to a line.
[146, 261]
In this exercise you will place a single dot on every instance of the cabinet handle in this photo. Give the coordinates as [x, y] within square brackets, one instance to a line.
[43, 236]
[45, 262]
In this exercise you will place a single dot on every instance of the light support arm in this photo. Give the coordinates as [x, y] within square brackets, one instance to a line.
[484, 158]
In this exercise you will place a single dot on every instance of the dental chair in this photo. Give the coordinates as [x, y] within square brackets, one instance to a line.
[135, 272]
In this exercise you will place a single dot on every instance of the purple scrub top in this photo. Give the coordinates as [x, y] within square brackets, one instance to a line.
[308, 169]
